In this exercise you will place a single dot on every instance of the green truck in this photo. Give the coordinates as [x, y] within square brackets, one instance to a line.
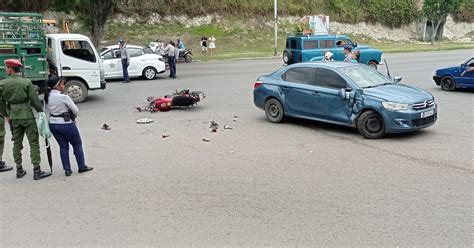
[70, 56]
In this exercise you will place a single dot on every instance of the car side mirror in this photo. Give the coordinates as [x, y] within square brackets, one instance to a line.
[342, 94]
[102, 57]
[397, 79]
[355, 44]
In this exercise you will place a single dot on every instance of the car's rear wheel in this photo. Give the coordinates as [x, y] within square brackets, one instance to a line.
[447, 83]
[149, 73]
[77, 90]
[371, 125]
[372, 64]
[274, 111]
[287, 57]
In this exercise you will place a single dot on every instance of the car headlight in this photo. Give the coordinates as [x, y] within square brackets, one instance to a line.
[395, 106]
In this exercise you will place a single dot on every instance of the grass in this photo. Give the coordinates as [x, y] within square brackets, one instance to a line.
[236, 40]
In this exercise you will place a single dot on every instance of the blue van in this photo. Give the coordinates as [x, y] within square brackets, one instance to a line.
[312, 48]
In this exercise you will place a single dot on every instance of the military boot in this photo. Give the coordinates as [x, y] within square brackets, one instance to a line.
[4, 167]
[39, 174]
[20, 172]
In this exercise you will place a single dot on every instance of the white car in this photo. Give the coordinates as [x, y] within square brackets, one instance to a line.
[142, 64]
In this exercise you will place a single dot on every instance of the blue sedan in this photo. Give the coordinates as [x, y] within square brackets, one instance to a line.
[346, 94]
[451, 78]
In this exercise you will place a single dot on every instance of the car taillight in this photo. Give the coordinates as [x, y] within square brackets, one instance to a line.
[257, 84]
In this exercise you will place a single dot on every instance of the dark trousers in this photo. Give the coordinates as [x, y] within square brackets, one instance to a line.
[172, 63]
[66, 134]
[125, 70]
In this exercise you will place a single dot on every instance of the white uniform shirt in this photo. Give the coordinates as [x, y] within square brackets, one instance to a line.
[59, 104]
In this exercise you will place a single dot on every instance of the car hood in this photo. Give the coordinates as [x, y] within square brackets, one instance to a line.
[363, 47]
[447, 69]
[400, 93]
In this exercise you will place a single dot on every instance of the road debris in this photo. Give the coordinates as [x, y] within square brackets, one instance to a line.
[145, 121]
[214, 126]
[106, 127]
[206, 140]
[227, 127]
[164, 136]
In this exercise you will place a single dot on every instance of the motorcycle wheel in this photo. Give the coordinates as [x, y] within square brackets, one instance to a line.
[188, 58]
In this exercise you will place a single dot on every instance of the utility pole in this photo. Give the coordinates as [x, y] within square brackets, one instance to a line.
[276, 27]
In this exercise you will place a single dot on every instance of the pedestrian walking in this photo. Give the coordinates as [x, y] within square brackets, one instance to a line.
[212, 45]
[16, 102]
[62, 113]
[204, 45]
[347, 53]
[125, 57]
[170, 51]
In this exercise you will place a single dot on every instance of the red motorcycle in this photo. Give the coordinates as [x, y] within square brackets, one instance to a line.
[178, 99]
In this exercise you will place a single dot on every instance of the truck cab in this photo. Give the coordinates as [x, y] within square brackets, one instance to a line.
[303, 48]
[74, 57]
[70, 56]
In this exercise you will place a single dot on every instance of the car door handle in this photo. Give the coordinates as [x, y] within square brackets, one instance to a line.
[66, 68]
[315, 93]
[285, 88]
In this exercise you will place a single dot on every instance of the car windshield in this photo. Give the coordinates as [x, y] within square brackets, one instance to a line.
[365, 77]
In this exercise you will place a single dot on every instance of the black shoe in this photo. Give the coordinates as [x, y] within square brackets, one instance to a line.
[68, 172]
[85, 169]
[20, 173]
[4, 167]
[39, 174]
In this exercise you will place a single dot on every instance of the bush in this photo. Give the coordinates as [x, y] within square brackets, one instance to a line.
[465, 12]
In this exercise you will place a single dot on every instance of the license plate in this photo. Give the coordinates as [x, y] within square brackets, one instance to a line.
[427, 113]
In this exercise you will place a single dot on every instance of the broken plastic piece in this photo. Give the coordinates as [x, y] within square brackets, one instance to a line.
[106, 127]
[206, 140]
[164, 136]
[144, 120]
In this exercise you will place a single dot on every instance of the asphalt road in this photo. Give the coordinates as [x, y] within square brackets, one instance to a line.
[297, 183]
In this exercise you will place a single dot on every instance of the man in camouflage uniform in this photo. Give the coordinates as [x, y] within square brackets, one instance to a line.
[17, 97]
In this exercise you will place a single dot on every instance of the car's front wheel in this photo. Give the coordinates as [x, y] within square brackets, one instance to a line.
[274, 111]
[149, 73]
[447, 83]
[371, 125]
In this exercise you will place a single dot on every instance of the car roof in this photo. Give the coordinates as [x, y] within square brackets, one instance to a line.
[324, 36]
[332, 64]
[67, 36]
[129, 46]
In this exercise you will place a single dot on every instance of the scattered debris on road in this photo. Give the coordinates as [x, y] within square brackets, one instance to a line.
[227, 127]
[145, 121]
[106, 127]
[206, 140]
[214, 126]
[164, 136]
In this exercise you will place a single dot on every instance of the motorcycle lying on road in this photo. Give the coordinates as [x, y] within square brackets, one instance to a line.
[178, 99]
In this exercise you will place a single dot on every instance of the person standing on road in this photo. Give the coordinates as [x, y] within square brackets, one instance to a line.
[355, 55]
[170, 52]
[125, 60]
[328, 56]
[62, 112]
[204, 45]
[212, 45]
[347, 53]
[3, 166]
[17, 99]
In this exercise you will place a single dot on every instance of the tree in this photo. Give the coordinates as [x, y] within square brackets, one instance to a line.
[101, 9]
[436, 12]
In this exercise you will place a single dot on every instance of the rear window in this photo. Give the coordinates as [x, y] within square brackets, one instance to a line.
[310, 44]
[300, 75]
[135, 52]
[326, 43]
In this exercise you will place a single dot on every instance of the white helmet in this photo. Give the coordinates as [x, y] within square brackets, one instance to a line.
[328, 55]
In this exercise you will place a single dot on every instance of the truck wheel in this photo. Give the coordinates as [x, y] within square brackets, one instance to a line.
[447, 83]
[77, 90]
[372, 64]
[287, 57]
[149, 73]
[188, 58]
[274, 111]
[371, 125]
